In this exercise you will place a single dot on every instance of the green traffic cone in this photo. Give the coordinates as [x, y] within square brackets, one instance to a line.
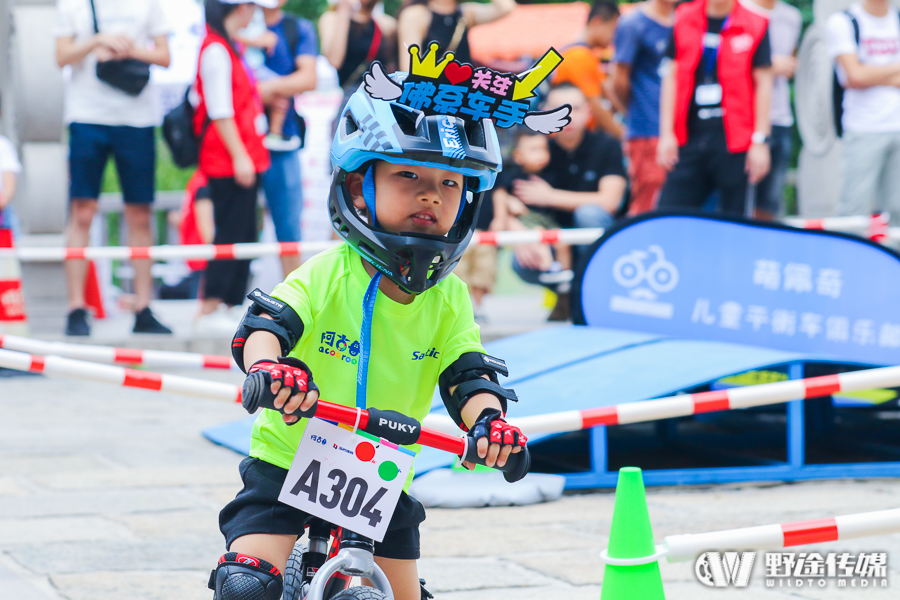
[631, 537]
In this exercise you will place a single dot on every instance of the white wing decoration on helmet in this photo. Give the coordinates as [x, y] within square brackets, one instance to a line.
[379, 86]
[549, 121]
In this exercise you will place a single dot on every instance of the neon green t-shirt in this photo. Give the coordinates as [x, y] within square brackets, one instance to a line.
[411, 344]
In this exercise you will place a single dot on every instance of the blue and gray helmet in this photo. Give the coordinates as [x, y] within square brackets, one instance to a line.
[370, 130]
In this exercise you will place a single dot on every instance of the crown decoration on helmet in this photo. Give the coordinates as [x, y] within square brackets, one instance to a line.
[449, 87]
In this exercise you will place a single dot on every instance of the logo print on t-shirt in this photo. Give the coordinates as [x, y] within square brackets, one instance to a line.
[340, 346]
[741, 43]
[880, 46]
[433, 353]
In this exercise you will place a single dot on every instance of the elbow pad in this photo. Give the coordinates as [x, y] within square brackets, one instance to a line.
[466, 374]
[285, 325]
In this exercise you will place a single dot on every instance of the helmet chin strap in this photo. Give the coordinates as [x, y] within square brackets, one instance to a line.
[368, 192]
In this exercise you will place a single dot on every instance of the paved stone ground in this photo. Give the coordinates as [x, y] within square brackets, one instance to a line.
[110, 494]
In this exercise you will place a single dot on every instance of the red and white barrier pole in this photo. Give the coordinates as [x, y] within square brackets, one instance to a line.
[248, 251]
[574, 420]
[186, 252]
[57, 366]
[875, 226]
[768, 537]
[152, 359]
[691, 404]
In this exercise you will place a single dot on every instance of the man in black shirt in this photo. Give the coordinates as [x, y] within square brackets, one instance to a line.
[707, 161]
[587, 172]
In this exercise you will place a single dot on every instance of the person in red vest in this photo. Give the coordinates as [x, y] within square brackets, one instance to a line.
[230, 120]
[714, 106]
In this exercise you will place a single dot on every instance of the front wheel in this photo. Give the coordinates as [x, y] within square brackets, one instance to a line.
[293, 578]
[360, 593]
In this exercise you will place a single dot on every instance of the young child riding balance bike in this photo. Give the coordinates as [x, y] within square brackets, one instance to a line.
[379, 321]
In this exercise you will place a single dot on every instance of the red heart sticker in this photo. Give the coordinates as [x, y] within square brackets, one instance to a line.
[457, 72]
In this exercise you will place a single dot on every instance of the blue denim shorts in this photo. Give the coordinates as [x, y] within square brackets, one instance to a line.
[283, 188]
[133, 150]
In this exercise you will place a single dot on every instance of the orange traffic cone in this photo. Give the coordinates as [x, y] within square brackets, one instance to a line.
[12, 304]
[93, 299]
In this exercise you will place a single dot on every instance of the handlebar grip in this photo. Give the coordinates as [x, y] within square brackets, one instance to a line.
[257, 393]
[516, 467]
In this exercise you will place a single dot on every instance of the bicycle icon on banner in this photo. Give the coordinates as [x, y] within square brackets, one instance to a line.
[660, 276]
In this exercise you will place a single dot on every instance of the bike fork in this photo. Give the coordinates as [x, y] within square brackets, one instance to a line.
[355, 558]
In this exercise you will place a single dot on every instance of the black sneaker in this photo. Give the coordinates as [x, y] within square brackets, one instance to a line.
[145, 322]
[77, 323]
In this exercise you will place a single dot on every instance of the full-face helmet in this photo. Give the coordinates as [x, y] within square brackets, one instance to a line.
[369, 130]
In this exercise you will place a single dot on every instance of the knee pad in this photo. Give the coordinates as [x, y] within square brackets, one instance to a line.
[244, 577]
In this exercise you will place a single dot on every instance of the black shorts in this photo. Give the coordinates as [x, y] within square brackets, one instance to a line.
[256, 509]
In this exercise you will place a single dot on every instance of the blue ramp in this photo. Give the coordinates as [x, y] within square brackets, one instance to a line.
[624, 369]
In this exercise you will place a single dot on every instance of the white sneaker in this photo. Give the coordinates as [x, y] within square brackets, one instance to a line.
[276, 142]
[219, 323]
[551, 277]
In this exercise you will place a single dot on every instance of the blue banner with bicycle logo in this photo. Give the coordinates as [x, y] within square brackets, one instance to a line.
[738, 281]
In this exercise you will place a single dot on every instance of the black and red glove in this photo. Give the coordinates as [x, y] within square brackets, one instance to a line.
[292, 373]
[492, 425]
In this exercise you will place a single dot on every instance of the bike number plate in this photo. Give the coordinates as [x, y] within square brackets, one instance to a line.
[350, 479]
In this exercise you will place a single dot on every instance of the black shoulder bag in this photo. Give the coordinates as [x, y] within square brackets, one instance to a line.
[128, 75]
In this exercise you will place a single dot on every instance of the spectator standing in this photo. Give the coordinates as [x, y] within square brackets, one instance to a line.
[581, 64]
[446, 22]
[868, 66]
[714, 130]
[293, 59]
[352, 37]
[230, 117]
[105, 120]
[588, 174]
[10, 167]
[641, 40]
[785, 23]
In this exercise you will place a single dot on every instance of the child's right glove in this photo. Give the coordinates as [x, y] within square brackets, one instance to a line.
[293, 374]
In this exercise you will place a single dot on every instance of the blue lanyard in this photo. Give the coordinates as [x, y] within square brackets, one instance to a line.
[365, 335]
[713, 53]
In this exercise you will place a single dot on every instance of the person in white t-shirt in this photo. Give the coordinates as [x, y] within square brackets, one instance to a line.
[105, 120]
[10, 167]
[870, 72]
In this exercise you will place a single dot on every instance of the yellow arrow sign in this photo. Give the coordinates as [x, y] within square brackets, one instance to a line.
[524, 87]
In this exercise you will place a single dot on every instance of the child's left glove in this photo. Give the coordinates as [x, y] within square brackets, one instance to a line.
[296, 377]
[505, 444]
[493, 426]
